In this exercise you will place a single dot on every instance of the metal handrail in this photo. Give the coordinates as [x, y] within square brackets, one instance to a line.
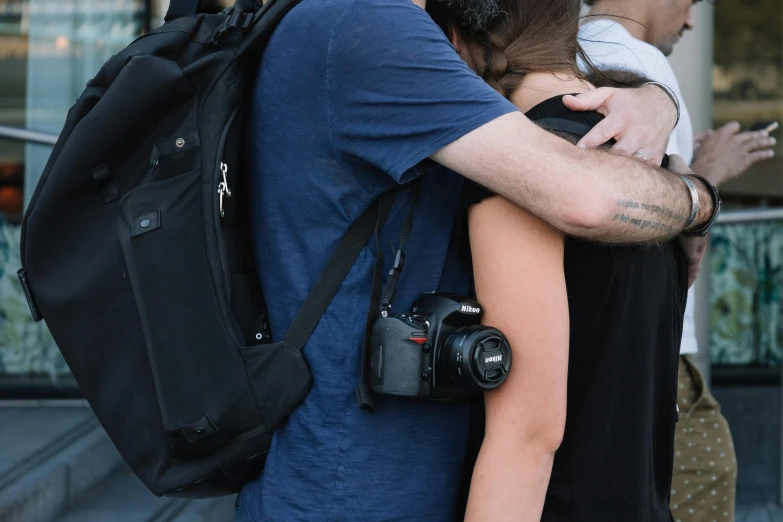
[730, 217]
[15, 133]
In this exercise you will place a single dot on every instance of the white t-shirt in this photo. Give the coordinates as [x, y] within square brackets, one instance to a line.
[609, 45]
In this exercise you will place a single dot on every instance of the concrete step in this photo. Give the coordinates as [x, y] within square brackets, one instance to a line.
[123, 498]
[50, 456]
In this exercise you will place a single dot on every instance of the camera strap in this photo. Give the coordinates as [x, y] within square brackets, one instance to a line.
[378, 300]
[390, 289]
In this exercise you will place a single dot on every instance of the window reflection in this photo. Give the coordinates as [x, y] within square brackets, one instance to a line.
[748, 83]
[49, 50]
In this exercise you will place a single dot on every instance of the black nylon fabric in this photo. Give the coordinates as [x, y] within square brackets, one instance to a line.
[151, 295]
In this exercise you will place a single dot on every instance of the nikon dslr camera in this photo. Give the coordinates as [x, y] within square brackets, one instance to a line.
[438, 351]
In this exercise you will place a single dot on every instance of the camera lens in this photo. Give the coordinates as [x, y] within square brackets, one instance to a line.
[475, 357]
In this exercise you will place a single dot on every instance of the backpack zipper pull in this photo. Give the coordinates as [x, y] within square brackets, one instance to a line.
[223, 189]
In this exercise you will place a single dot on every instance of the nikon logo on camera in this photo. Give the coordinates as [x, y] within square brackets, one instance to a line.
[467, 309]
[493, 359]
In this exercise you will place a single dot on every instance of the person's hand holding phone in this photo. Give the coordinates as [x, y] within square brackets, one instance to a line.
[725, 153]
[769, 126]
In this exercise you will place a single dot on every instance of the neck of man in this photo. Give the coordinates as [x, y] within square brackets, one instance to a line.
[420, 3]
[631, 14]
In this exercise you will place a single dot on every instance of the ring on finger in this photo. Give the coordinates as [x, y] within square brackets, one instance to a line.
[640, 154]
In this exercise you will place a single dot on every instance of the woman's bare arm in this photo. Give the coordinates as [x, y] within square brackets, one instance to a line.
[518, 266]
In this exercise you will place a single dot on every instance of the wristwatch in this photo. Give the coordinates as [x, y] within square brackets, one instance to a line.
[716, 206]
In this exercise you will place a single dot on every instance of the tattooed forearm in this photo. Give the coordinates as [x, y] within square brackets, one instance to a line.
[664, 212]
[663, 218]
[644, 223]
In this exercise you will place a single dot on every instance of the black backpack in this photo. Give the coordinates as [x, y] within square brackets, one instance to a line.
[136, 251]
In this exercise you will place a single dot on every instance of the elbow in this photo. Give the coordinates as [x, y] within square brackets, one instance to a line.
[587, 201]
[585, 218]
[547, 438]
[541, 435]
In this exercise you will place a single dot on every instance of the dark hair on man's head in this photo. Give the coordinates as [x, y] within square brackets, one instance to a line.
[470, 16]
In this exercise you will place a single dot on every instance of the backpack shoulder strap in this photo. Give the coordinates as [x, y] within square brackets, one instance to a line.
[563, 125]
[336, 269]
[262, 23]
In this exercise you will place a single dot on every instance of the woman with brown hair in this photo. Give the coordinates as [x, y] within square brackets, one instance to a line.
[583, 428]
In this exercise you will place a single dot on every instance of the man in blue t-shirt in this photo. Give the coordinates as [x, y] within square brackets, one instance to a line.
[354, 98]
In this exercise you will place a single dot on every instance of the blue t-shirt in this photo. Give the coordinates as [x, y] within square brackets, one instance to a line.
[351, 98]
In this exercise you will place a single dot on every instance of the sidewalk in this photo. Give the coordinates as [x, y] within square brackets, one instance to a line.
[759, 503]
[57, 465]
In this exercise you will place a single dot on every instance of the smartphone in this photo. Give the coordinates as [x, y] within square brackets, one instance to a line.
[768, 126]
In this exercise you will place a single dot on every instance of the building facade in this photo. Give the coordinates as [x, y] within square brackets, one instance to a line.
[730, 68]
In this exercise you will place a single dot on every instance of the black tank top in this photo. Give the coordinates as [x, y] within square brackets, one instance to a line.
[626, 306]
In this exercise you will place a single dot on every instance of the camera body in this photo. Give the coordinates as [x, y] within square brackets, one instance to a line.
[438, 351]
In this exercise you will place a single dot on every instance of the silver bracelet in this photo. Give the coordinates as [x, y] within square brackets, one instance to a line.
[694, 201]
[671, 95]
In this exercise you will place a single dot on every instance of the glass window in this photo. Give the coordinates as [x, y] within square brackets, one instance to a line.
[748, 84]
[49, 49]
[746, 279]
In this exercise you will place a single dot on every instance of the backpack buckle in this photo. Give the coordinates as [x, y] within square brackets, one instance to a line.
[238, 19]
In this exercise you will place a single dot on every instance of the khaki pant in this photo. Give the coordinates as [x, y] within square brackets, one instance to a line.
[705, 465]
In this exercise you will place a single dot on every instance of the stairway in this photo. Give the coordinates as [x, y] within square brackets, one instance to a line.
[58, 465]
[122, 497]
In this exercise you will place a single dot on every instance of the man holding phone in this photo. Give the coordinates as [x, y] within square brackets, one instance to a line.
[638, 35]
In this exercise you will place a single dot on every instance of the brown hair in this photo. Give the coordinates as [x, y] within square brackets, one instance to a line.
[526, 36]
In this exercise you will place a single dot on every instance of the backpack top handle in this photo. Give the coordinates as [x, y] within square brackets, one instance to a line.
[180, 8]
